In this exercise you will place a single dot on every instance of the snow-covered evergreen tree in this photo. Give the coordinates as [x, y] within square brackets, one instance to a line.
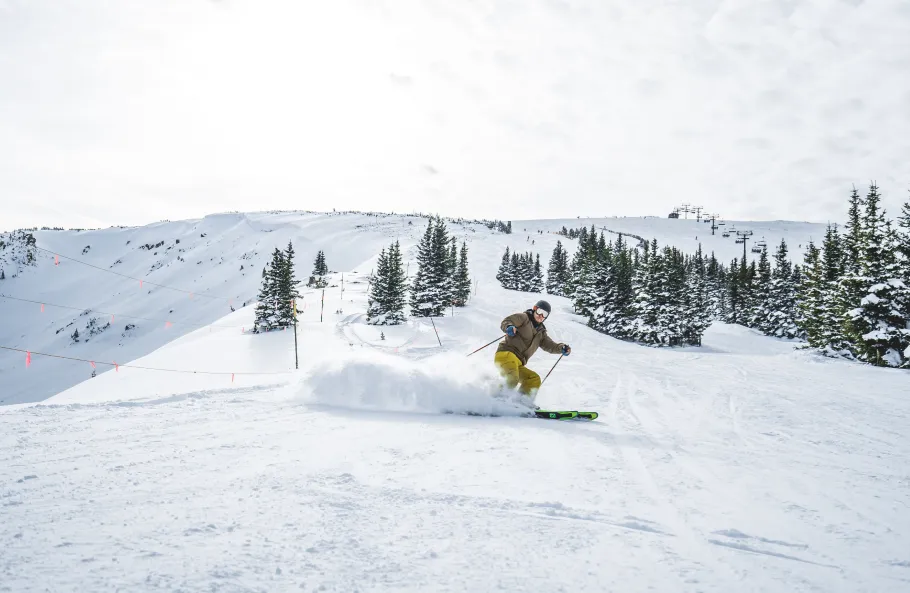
[388, 289]
[781, 304]
[537, 277]
[286, 292]
[504, 272]
[513, 282]
[451, 270]
[736, 292]
[761, 306]
[558, 271]
[620, 290]
[717, 288]
[811, 298]
[377, 295]
[831, 339]
[851, 285]
[462, 278]
[671, 316]
[649, 296]
[698, 303]
[267, 311]
[429, 290]
[320, 271]
[879, 319]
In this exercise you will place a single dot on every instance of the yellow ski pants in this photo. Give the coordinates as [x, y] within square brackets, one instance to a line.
[515, 373]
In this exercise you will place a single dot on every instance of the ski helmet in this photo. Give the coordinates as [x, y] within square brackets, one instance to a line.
[543, 305]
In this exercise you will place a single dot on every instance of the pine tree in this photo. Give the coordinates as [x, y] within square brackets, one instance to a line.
[451, 270]
[585, 283]
[422, 290]
[537, 278]
[431, 289]
[781, 304]
[810, 295]
[649, 297]
[832, 254]
[903, 237]
[504, 269]
[462, 278]
[320, 271]
[761, 309]
[604, 313]
[672, 311]
[265, 314]
[831, 338]
[513, 281]
[268, 311]
[397, 287]
[879, 321]
[286, 290]
[698, 314]
[717, 288]
[850, 289]
[558, 271]
[377, 296]
[621, 292]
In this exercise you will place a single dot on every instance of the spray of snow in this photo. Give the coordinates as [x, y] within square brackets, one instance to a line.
[371, 380]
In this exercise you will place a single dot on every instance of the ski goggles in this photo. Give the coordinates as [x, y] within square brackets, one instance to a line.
[541, 312]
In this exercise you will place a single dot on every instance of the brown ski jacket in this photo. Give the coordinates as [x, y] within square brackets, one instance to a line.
[528, 337]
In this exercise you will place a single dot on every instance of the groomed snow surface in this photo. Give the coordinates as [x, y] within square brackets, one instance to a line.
[744, 465]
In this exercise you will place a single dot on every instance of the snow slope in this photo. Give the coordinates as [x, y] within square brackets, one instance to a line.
[218, 258]
[207, 261]
[739, 466]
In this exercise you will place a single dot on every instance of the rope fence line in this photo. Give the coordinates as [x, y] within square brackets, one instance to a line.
[192, 294]
[28, 362]
[165, 321]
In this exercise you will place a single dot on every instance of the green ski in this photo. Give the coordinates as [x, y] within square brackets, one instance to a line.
[565, 415]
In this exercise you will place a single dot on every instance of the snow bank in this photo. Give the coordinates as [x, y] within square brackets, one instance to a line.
[371, 380]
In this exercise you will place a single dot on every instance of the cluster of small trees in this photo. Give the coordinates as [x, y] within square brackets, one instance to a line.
[278, 292]
[320, 271]
[656, 296]
[850, 298]
[442, 279]
[755, 295]
[572, 233]
[854, 300]
[388, 289]
[502, 227]
[520, 272]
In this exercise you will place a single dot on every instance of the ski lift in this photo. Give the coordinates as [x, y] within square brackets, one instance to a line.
[725, 235]
[758, 246]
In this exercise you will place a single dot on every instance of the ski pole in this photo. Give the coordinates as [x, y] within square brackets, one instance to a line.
[485, 345]
[551, 370]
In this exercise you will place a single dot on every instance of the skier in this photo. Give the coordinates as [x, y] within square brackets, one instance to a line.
[525, 332]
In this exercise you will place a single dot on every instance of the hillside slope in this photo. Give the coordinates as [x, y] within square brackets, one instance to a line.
[742, 465]
[219, 260]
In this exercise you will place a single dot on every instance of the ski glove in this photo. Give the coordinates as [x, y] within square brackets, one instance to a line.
[566, 349]
[511, 331]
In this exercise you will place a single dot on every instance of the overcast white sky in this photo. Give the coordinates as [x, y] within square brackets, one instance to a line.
[128, 111]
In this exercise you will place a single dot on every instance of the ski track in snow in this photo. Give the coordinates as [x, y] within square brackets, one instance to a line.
[740, 466]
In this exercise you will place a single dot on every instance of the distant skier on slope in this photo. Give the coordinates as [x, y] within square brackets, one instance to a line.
[524, 333]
